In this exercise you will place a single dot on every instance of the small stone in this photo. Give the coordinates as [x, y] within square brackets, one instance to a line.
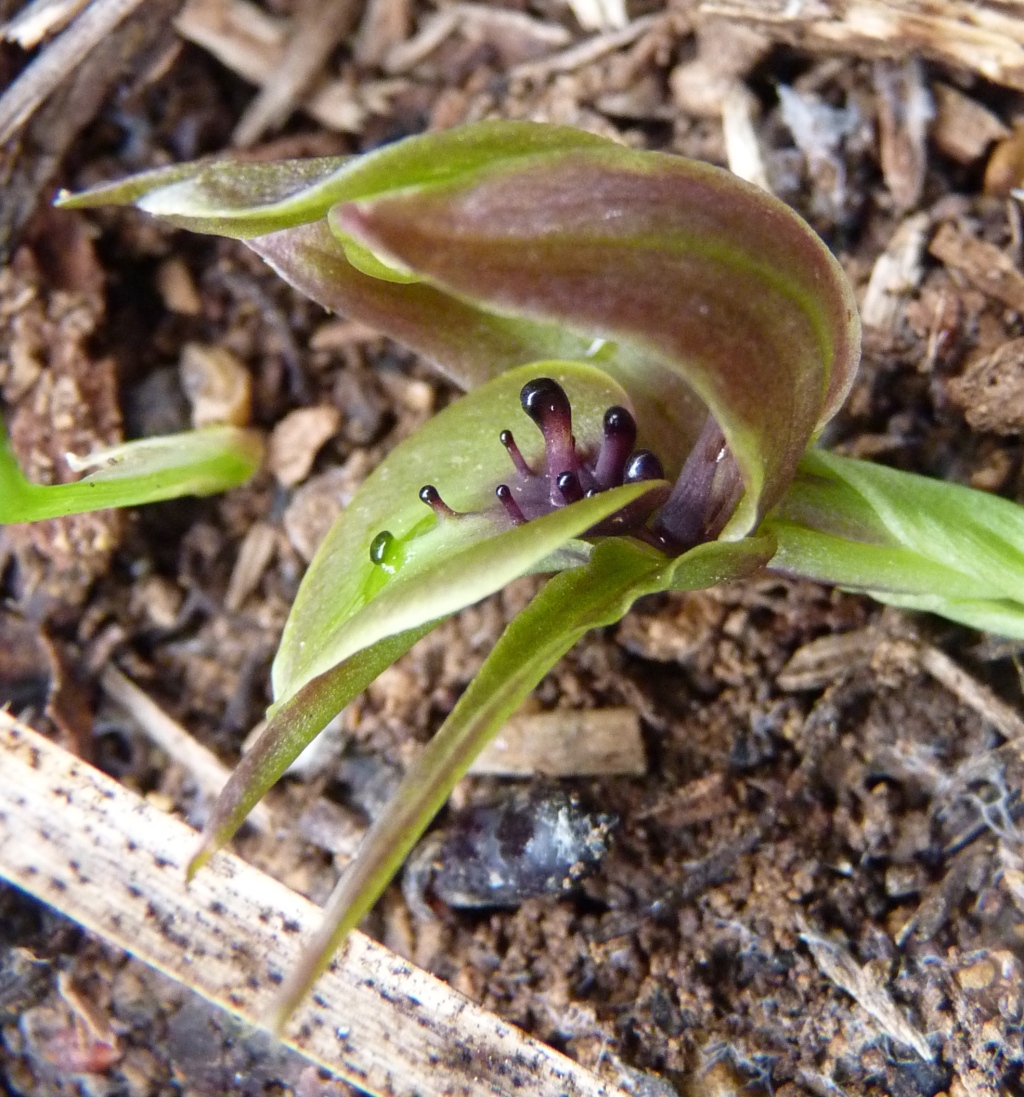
[217, 385]
[296, 441]
[315, 506]
[177, 289]
[978, 976]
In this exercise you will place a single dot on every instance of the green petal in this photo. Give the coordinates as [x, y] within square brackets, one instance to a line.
[468, 344]
[347, 602]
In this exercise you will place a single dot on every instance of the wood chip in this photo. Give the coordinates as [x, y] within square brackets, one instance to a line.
[593, 49]
[338, 334]
[435, 29]
[726, 53]
[30, 165]
[79, 841]
[599, 14]
[896, 274]
[1004, 172]
[252, 44]
[985, 37]
[384, 25]
[254, 556]
[202, 765]
[34, 85]
[320, 26]
[991, 390]
[39, 19]
[238, 33]
[297, 439]
[521, 33]
[981, 263]
[177, 288]
[841, 968]
[477, 18]
[905, 110]
[742, 149]
[963, 129]
[217, 385]
[566, 743]
[821, 662]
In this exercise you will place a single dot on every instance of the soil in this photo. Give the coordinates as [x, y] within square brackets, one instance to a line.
[825, 838]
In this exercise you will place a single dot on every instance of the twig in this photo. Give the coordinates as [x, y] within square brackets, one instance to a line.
[52, 66]
[984, 36]
[841, 968]
[593, 49]
[76, 839]
[566, 743]
[970, 692]
[201, 764]
[252, 44]
[39, 19]
[322, 24]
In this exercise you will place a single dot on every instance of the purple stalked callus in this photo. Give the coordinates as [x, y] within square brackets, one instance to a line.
[695, 510]
[643, 465]
[569, 487]
[507, 500]
[546, 403]
[512, 449]
[619, 437]
[432, 497]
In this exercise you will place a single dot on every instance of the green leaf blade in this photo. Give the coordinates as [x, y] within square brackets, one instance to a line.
[291, 729]
[905, 539]
[242, 199]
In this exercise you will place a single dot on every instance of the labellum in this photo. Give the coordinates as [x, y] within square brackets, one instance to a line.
[695, 510]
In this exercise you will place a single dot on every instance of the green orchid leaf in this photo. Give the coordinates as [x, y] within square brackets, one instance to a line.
[292, 728]
[197, 462]
[570, 605]
[347, 602]
[906, 540]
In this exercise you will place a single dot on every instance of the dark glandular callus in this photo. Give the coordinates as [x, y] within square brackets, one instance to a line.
[695, 511]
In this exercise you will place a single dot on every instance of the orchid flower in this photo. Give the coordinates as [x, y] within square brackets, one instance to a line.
[650, 347]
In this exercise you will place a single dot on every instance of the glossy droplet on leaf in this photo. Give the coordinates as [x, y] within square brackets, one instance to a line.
[385, 551]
